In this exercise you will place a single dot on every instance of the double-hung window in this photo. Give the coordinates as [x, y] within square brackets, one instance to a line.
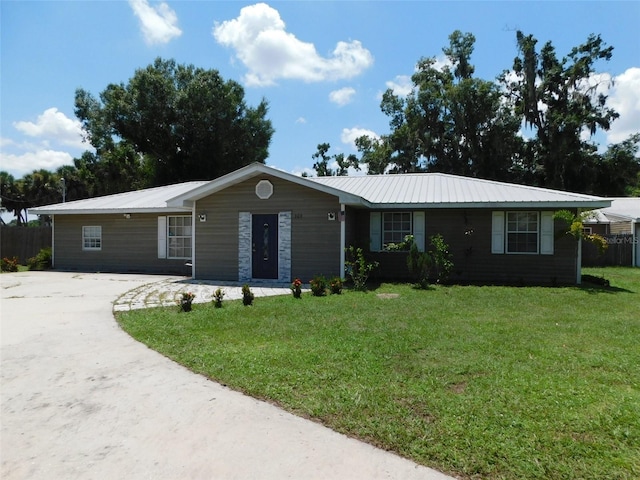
[92, 238]
[179, 237]
[393, 226]
[522, 232]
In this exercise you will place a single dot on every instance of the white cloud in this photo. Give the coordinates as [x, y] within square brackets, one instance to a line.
[269, 52]
[624, 98]
[54, 126]
[349, 135]
[301, 120]
[19, 165]
[343, 96]
[159, 24]
[6, 142]
[401, 85]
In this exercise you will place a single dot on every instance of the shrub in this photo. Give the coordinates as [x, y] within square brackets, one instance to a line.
[358, 268]
[335, 285]
[440, 259]
[9, 264]
[400, 247]
[247, 295]
[42, 261]
[296, 288]
[185, 301]
[318, 286]
[217, 298]
[434, 265]
[575, 228]
[419, 264]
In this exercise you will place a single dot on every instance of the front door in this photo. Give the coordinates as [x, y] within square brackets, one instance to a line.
[264, 237]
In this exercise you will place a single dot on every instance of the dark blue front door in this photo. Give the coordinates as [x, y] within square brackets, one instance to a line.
[264, 236]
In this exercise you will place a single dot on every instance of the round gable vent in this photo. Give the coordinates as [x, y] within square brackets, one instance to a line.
[264, 189]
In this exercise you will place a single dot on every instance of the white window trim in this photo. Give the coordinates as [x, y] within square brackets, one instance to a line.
[500, 233]
[507, 232]
[86, 237]
[190, 237]
[376, 229]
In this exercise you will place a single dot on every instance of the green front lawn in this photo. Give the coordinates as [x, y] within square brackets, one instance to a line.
[478, 382]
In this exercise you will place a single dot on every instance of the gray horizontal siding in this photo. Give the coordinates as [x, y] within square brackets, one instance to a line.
[128, 245]
[315, 241]
[472, 257]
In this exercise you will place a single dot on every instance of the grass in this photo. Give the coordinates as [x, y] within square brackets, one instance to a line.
[478, 382]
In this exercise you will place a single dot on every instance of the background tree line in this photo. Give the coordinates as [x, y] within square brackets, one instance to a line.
[532, 125]
[170, 123]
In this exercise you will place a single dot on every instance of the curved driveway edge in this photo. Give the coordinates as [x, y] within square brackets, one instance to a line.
[80, 399]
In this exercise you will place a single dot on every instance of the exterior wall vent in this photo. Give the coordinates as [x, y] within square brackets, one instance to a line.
[264, 189]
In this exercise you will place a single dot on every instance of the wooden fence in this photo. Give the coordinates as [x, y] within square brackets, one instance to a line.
[619, 253]
[23, 242]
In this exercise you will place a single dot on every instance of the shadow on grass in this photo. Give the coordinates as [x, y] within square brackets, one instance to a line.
[595, 289]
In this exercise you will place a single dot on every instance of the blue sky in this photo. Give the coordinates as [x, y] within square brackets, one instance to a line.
[322, 66]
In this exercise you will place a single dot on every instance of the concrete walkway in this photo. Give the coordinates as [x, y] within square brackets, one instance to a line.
[80, 399]
[167, 291]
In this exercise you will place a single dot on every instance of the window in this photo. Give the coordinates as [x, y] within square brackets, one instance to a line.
[392, 227]
[395, 226]
[179, 237]
[522, 232]
[92, 238]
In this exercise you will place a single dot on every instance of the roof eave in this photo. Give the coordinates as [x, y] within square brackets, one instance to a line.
[105, 211]
[590, 205]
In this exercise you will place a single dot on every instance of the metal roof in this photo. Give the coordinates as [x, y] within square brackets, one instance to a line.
[622, 209]
[439, 190]
[139, 201]
[427, 190]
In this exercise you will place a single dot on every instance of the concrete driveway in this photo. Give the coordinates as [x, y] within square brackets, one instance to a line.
[82, 400]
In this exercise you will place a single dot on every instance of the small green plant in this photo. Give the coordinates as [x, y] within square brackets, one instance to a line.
[296, 288]
[575, 224]
[400, 247]
[419, 264]
[9, 264]
[42, 261]
[247, 295]
[335, 286]
[357, 268]
[434, 264]
[185, 301]
[218, 295]
[318, 286]
[441, 263]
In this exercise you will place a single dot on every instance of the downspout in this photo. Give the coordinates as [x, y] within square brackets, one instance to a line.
[193, 241]
[343, 237]
[579, 257]
[634, 243]
[53, 241]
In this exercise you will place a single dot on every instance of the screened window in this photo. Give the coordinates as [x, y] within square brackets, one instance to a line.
[179, 237]
[395, 226]
[92, 238]
[522, 232]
